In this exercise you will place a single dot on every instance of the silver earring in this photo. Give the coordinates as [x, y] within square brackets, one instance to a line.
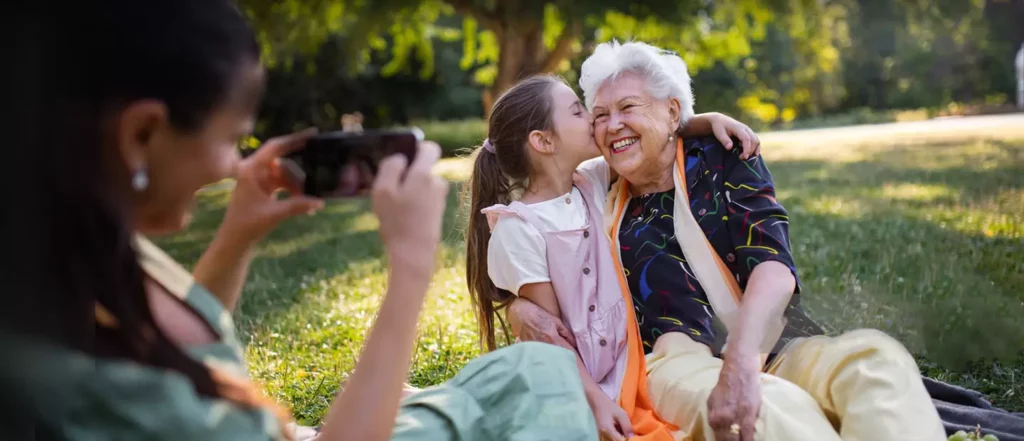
[140, 180]
[671, 138]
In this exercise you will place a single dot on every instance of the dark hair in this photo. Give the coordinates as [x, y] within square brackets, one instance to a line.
[522, 109]
[75, 238]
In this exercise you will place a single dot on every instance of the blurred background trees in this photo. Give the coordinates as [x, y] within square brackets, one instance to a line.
[774, 64]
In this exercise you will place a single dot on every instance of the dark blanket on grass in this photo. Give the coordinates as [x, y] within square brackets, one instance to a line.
[959, 408]
[965, 409]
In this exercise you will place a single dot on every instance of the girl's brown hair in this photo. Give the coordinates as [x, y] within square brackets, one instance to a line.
[522, 109]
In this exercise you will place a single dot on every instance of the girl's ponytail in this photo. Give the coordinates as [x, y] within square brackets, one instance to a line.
[487, 186]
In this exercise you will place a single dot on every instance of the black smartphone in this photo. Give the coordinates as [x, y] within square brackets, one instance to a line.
[341, 164]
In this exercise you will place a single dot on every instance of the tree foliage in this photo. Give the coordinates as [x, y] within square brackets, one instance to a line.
[768, 62]
[506, 41]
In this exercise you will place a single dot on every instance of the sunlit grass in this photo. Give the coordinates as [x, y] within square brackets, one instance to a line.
[922, 240]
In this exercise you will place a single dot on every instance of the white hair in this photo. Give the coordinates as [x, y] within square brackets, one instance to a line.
[664, 71]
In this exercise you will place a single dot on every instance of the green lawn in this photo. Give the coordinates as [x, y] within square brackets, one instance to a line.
[925, 241]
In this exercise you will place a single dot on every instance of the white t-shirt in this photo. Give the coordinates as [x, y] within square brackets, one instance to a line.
[516, 253]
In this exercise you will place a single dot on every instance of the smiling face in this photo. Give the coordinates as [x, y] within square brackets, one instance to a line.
[180, 162]
[632, 128]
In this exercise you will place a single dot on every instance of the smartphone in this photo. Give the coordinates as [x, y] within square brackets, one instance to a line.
[341, 164]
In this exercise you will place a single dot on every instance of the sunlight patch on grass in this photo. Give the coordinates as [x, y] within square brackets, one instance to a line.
[908, 191]
[455, 169]
[284, 248]
[363, 222]
[833, 205]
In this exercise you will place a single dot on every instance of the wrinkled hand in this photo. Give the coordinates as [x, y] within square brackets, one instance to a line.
[612, 421]
[725, 127]
[530, 322]
[736, 399]
[254, 209]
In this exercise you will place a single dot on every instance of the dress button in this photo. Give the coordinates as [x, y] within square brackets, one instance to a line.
[592, 308]
[603, 342]
[586, 234]
[586, 270]
[730, 257]
[568, 200]
[702, 212]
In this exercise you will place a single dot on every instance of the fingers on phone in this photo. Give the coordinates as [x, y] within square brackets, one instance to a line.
[283, 145]
[389, 173]
[427, 154]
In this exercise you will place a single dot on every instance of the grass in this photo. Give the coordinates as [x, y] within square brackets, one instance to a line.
[922, 240]
[455, 136]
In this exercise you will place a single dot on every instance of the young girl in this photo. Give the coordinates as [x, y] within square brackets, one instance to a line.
[537, 193]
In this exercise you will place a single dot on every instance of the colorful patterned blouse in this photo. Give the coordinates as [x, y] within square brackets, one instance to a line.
[734, 203]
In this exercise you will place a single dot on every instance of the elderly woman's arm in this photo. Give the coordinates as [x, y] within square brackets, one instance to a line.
[758, 225]
[530, 322]
[768, 292]
[759, 228]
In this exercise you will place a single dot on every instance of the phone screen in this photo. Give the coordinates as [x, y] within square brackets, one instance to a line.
[337, 165]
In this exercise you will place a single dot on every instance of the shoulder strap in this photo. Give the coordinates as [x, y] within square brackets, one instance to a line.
[580, 181]
[586, 189]
[179, 282]
[515, 208]
[162, 268]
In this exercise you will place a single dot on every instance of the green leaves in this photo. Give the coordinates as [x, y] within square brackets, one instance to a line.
[406, 29]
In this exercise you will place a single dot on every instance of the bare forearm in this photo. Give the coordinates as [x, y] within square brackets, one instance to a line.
[699, 125]
[768, 292]
[590, 386]
[367, 407]
[223, 267]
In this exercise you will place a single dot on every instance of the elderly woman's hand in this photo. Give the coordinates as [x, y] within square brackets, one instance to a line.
[735, 402]
[530, 322]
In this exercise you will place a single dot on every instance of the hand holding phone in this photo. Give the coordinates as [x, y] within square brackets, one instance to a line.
[409, 200]
[255, 209]
[341, 164]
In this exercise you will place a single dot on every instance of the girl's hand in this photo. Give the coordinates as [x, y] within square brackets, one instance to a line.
[612, 421]
[725, 127]
[254, 209]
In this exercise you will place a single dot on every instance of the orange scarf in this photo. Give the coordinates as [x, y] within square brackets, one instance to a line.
[633, 395]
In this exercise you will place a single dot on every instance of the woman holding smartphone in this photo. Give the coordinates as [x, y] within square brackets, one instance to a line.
[142, 104]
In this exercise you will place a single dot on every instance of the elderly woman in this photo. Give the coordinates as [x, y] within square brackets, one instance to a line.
[700, 238]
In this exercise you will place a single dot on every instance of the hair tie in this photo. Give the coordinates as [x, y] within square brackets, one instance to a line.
[488, 146]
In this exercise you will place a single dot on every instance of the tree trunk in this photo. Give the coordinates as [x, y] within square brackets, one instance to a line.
[522, 53]
[519, 46]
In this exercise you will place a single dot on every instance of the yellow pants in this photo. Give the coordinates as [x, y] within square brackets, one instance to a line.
[859, 386]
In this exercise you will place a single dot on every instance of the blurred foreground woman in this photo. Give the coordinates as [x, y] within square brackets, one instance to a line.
[125, 110]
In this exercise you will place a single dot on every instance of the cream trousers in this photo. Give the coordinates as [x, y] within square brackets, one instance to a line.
[859, 386]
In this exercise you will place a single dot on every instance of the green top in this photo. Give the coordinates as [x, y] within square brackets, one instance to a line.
[86, 398]
[525, 391]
